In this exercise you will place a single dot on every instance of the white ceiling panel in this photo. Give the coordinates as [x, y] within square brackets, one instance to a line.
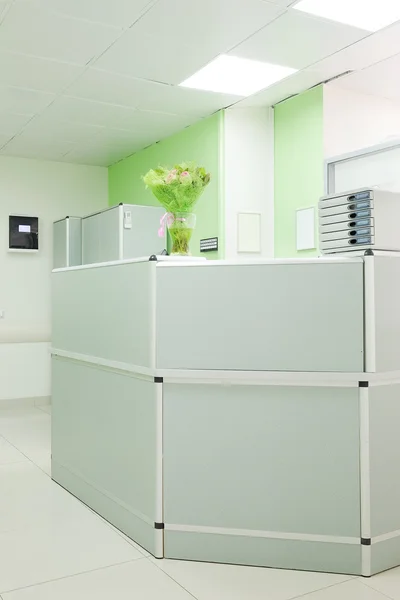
[41, 150]
[29, 30]
[217, 24]
[89, 111]
[147, 56]
[297, 40]
[129, 141]
[120, 13]
[53, 107]
[110, 146]
[36, 73]
[364, 53]
[110, 137]
[282, 3]
[94, 155]
[107, 144]
[4, 138]
[46, 128]
[295, 84]
[150, 121]
[11, 123]
[380, 80]
[4, 6]
[103, 86]
[19, 100]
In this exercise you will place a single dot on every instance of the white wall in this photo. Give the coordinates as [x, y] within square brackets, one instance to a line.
[353, 121]
[249, 175]
[50, 191]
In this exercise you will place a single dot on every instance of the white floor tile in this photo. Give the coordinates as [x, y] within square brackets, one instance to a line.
[45, 408]
[351, 590]
[124, 537]
[32, 556]
[9, 454]
[208, 581]
[29, 498]
[29, 430]
[388, 583]
[44, 465]
[139, 580]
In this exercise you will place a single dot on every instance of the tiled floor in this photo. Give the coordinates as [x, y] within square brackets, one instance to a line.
[52, 547]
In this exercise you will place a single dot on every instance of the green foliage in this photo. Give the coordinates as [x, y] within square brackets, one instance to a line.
[179, 188]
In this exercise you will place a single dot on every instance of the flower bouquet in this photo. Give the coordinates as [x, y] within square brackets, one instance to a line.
[178, 190]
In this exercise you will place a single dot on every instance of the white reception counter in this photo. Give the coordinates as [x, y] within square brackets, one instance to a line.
[232, 412]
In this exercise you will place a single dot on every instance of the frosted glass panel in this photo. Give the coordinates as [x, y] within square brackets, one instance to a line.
[381, 169]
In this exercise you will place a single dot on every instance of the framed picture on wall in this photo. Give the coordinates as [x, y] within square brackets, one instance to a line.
[305, 229]
[249, 232]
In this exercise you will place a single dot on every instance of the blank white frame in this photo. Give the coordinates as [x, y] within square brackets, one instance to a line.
[249, 232]
[305, 229]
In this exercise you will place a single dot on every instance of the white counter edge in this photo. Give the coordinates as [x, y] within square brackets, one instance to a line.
[172, 261]
[227, 377]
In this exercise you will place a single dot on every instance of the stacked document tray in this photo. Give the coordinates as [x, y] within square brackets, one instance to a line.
[359, 220]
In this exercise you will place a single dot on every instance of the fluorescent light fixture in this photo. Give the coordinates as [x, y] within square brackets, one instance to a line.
[236, 76]
[370, 15]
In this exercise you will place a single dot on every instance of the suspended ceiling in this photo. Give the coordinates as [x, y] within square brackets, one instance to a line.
[93, 81]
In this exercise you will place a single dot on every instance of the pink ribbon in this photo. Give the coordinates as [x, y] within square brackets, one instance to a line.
[163, 224]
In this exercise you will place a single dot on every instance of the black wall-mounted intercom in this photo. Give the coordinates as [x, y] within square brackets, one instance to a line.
[23, 233]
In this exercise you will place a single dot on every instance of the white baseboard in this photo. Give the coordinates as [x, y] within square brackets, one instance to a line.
[24, 402]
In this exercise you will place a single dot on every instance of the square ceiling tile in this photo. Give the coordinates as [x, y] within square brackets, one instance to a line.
[216, 24]
[91, 112]
[4, 138]
[28, 29]
[11, 123]
[93, 155]
[368, 51]
[281, 3]
[4, 7]
[90, 157]
[103, 86]
[36, 73]
[376, 80]
[119, 138]
[145, 129]
[46, 128]
[125, 142]
[36, 149]
[297, 40]
[111, 146]
[22, 101]
[120, 13]
[295, 84]
[150, 121]
[148, 56]
[114, 144]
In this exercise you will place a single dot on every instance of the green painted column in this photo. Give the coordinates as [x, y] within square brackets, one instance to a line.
[201, 142]
[299, 161]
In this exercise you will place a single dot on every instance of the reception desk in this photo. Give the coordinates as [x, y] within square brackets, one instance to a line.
[233, 412]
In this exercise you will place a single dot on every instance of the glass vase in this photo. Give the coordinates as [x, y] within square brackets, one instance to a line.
[180, 227]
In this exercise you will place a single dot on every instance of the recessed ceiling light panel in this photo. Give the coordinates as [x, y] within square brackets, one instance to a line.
[370, 15]
[237, 76]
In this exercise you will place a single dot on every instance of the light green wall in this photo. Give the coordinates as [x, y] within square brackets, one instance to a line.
[299, 159]
[200, 142]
